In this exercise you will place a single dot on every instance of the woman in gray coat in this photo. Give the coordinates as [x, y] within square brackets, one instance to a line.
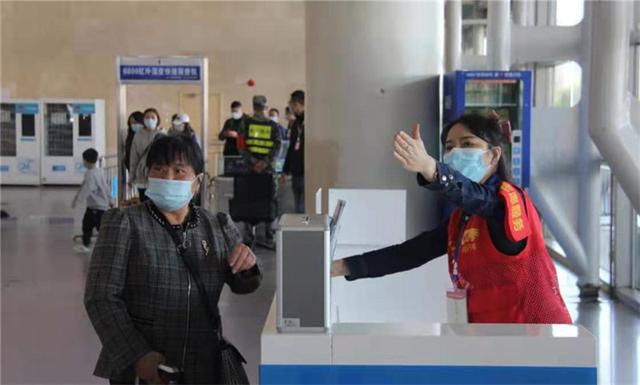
[140, 296]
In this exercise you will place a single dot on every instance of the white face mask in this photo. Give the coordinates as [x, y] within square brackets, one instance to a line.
[170, 195]
[151, 123]
[274, 118]
[467, 161]
[178, 125]
[236, 114]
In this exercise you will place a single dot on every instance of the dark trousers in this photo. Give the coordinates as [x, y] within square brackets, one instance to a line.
[297, 184]
[141, 194]
[90, 221]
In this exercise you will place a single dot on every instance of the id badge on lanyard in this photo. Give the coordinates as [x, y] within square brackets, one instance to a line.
[457, 297]
[297, 145]
[457, 306]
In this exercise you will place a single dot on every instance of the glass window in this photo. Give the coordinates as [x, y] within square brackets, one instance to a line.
[567, 84]
[7, 130]
[474, 27]
[29, 125]
[636, 70]
[569, 12]
[84, 125]
[635, 250]
[474, 9]
[59, 130]
[474, 40]
[606, 224]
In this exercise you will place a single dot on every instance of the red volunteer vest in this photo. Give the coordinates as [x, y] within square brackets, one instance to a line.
[504, 288]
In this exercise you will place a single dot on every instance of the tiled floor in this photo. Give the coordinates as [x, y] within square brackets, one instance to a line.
[617, 330]
[47, 338]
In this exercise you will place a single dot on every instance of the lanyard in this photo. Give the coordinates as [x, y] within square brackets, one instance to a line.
[456, 254]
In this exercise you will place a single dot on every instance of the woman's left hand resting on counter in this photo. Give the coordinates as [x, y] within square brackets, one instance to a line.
[339, 268]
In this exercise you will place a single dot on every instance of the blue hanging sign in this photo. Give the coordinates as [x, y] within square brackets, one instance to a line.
[84, 108]
[160, 72]
[494, 74]
[27, 108]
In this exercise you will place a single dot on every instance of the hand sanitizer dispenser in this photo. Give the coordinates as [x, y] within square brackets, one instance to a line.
[303, 266]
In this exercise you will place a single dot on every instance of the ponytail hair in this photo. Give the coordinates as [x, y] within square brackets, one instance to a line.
[188, 130]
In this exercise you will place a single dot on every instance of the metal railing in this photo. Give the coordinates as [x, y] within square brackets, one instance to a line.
[109, 166]
[606, 190]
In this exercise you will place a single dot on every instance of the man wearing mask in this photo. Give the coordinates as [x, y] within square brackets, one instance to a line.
[232, 128]
[294, 163]
[274, 115]
[263, 140]
[181, 125]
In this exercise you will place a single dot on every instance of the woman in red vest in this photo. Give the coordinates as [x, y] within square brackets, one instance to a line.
[497, 255]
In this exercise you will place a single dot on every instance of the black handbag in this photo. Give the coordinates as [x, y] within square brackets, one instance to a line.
[231, 366]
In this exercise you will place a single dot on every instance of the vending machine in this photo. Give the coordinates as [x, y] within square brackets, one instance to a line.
[69, 128]
[508, 93]
[20, 128]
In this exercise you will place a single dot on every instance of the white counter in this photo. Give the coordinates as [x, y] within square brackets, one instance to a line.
[417, 295]
[429, 353]
[393, 330]
[421, 290]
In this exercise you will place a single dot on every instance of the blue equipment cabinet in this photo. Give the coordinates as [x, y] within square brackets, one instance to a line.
[506, 92]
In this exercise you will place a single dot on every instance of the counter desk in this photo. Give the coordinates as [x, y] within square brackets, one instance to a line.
[428, 353]
[394, 330]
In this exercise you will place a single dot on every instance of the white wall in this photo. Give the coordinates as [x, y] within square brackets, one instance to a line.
[372, 70]
[67, 49]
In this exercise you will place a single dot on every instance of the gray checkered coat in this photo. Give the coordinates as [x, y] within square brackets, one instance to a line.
[138, 296]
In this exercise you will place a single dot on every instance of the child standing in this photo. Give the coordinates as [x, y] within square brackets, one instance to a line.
[94, 189]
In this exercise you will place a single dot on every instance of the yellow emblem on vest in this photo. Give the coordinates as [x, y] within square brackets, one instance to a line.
[259, 131]
[470, 235]
[469, 240]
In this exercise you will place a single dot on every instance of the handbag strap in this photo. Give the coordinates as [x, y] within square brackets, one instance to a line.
[181, 246]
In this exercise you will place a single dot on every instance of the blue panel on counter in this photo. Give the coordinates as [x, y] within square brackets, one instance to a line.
[441, 375]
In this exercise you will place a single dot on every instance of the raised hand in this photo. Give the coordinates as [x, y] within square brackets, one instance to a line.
[412, 154]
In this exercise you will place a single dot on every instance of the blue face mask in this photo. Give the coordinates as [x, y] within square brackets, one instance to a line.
[467, 161]
[135, 127]
[168, 194]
